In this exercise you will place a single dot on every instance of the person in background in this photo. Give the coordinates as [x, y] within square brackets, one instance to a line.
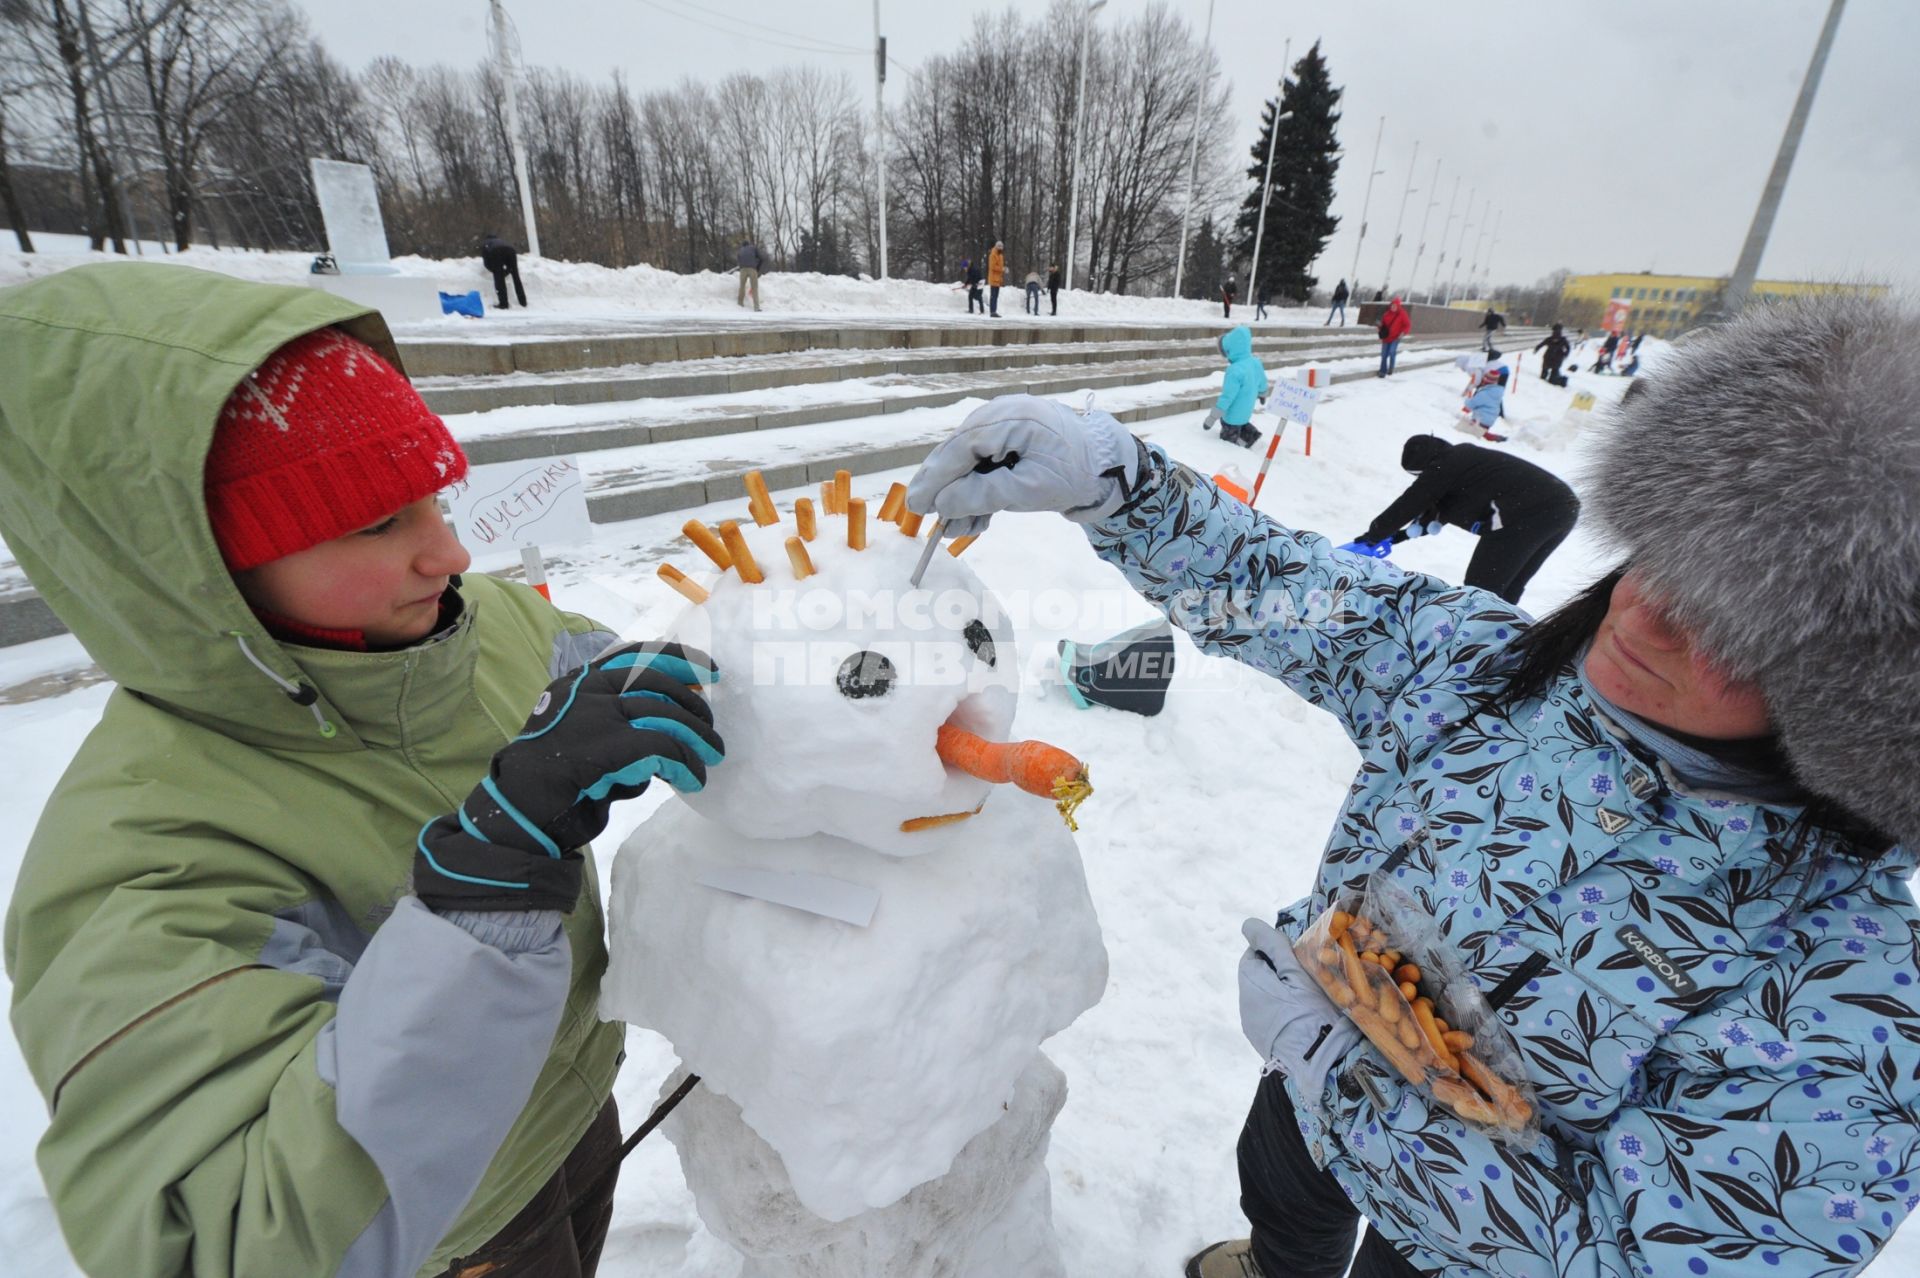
[1669, 829]
[749, 261]
[1490, 323]
[1033, 292]
[1557, 348]
[305, 952]
[996, 276]
[1243, 389]
[1053, 288]
[1485, 400]
[970, 276]
[1520, 512]
[502, 261]
[1603, 363]
[1260, 300]
[1394, 324]
[1227, 293]
[1339, 304]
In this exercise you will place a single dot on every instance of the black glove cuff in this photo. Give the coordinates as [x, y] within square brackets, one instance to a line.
[452, 870]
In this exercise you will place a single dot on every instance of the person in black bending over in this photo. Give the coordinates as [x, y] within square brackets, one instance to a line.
[503, 261]
[1520, 512]
[1557, 347]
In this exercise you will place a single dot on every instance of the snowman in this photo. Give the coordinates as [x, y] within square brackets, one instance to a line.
[852, 936]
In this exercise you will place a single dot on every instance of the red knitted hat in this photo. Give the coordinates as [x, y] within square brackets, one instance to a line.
[323, 438]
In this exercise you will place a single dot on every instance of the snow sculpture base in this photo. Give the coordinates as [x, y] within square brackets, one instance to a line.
[867, 1057]
[990, 1216]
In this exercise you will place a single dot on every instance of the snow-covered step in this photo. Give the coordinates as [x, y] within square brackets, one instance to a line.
[631, 483]
[643, 421]
[428, 357]
[719, 376]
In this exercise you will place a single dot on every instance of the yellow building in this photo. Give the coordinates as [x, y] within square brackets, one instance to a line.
[1665, 305]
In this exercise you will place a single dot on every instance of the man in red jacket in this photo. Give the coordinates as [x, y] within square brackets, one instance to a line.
[1394, 325]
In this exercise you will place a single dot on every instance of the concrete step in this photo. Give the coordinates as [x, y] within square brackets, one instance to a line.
[620, 489]
[435, 358]
[679, 378]
[624, 491]
[1042, 379]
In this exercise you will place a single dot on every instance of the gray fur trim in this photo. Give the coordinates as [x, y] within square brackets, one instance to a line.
[1766, 484]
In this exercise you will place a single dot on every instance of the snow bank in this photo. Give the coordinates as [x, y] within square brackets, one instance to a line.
[583, 289]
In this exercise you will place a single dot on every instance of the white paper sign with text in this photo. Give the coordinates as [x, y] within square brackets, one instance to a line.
[1292, 401]
[503, 506]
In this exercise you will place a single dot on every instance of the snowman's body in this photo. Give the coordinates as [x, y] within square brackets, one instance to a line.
[874, 1101]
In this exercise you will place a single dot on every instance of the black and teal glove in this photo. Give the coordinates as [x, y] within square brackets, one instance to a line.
[596, 736]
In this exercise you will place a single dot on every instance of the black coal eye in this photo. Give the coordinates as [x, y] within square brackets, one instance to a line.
[980, 639]
[866, 674]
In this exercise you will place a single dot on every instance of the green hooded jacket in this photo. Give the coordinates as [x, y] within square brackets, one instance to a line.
[217, 855]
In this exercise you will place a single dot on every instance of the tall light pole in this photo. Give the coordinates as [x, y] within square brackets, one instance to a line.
[1079, 115]
[508, 74]
[1394, 250]
[1741, 283]
[1433, 188]
[1473, 267]
[1353, 276]
[1486, 272]
[1440, 259]
[880, 128]
[1266, 187]
[1266, 183]
[1460, 246]
[1193, 145]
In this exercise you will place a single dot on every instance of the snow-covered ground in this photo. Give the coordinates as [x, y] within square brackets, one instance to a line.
[566, 295]
[1211, 812]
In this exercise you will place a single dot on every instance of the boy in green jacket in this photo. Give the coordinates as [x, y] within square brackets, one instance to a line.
[305, 954]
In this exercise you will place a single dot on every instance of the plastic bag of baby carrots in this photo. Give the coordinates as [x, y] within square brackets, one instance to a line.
[1381, 957]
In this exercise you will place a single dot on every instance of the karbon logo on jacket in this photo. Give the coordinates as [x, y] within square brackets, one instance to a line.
[1656, 961]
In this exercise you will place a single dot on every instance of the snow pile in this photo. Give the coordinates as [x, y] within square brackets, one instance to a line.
[866, 1057]
[578, 289]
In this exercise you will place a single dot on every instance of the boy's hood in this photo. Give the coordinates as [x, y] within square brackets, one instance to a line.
[1236, 343]
[1422, 451]
[112, 377]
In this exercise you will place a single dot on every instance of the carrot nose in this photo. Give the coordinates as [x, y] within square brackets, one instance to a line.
[1033, 766]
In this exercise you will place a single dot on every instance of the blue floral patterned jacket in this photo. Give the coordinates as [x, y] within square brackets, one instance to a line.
[1736, 1092]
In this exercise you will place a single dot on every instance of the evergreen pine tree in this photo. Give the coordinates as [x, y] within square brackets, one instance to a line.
[1206, 262]
[1306, 156]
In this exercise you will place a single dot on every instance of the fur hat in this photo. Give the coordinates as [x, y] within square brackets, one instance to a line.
[1766, 485]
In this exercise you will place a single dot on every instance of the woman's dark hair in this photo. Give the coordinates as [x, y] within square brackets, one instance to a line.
[1547, 650]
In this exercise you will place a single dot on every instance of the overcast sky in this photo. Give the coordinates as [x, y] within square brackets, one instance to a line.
[1625, 136]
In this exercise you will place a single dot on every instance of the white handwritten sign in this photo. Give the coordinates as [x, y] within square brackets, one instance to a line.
[501, 507]
[1292, 401]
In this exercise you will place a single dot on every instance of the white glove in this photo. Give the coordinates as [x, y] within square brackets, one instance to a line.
[1021, 452]
[1284, 1013]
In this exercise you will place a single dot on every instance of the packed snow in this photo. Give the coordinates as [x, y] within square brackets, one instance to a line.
[1211, 812]
[563, 294]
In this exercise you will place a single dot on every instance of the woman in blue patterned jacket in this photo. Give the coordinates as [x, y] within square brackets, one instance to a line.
[1669, 828]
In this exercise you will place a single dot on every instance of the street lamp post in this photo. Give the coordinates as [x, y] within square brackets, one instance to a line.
[1433, 187]
[1460, 247]
[1486, 277]
[1266, 187]
[1394, 250]
[1748, 266]
[1353, 276]
[1440, 258]
[508, 73]
[1193, 146]
[1473, 267]
[880, 128]
[1079, 115]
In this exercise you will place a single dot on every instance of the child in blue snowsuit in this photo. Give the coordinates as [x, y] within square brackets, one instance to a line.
[1483, 404]
[1667, 830]
[1243, 390]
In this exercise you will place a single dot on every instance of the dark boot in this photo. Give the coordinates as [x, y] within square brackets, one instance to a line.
[1248, 437]
[1224, 1260]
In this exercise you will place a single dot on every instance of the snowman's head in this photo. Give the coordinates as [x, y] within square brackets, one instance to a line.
[837, 675]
